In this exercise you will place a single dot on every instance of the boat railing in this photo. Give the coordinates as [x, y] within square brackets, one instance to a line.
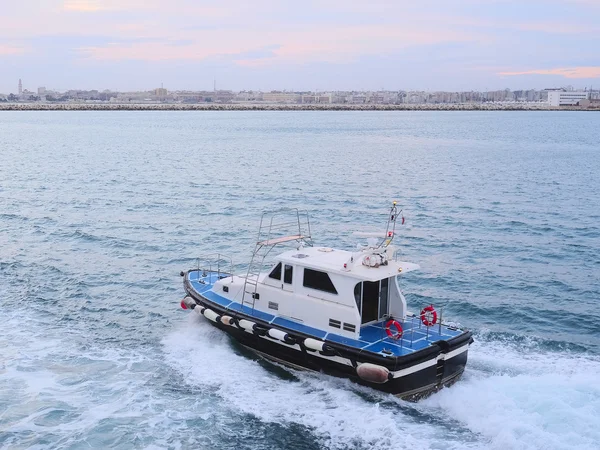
[276, 228]
[439, 315]
[433, 331]
[216, 262]
[284, 225]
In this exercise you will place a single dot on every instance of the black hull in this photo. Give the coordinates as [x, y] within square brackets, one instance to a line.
[412, 387]
[420, 374]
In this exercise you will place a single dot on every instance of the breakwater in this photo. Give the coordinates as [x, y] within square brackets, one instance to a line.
[282, 107]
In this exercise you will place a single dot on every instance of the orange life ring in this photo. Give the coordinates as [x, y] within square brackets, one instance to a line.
[425, 316]
[391, 335]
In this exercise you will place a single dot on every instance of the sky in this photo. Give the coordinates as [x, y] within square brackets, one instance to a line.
[451, 45]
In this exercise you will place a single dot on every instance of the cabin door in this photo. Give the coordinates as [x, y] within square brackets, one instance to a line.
[383, 298]
[374, 300]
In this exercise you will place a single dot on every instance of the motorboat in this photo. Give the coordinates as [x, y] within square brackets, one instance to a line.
[339, 312]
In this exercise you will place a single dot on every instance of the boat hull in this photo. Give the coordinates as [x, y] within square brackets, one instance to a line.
[410, 377]
[414, 386]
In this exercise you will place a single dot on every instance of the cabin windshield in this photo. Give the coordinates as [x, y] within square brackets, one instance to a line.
[276, 272]
[372, 300]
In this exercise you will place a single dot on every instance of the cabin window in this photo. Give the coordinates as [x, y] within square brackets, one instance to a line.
[276, 272]
[316, 279]
[287, 274]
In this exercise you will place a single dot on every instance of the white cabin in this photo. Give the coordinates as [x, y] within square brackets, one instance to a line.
[336, 291]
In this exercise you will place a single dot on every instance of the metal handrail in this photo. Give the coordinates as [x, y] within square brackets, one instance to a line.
[408, 335]
[272, 223]
[440, 319]
[215, 259]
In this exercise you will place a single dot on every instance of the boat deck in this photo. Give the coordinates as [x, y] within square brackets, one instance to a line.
[373, 338]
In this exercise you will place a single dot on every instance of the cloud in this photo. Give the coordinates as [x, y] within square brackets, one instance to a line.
[288, 45]
[592, 3]
[160, 51]
[571, 72]
[176, 8]
[434, 40]
[556, 27]
[8, 50]
[92, 6]
[83, 5]
[347, 44]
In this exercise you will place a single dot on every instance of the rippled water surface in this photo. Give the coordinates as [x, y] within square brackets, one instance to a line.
[99, 211]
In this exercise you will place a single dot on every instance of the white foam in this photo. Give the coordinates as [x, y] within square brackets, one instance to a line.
[55, 392]
[522, 397]
[514, 395]
[335, 409]
[510, 398]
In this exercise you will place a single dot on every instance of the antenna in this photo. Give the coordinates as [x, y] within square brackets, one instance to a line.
[390, 230]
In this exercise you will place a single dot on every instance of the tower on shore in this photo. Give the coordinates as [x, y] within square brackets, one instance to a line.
[20, 87]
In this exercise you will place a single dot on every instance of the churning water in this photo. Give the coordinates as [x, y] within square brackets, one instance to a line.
[99, 211]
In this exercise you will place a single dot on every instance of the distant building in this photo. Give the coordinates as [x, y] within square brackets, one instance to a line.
[20, 87]
[248, 96]
[568, 98]
[590, 103]
[317, 98]
[223, 96]
[42, 90]
[198, 97]
[160, 92]
[356, 98]
[281, 97]
[27, 95]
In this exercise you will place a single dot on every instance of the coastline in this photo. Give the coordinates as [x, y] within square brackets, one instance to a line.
[281, 107]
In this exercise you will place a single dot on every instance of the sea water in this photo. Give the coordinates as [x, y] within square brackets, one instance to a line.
[100, 211]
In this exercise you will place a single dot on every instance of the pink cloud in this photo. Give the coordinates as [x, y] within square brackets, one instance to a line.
[556, 27]
[291, 45]
[345, 44]
[155, 51]
[90, 6]
[572, 72]
[82, 5]
[7, 50]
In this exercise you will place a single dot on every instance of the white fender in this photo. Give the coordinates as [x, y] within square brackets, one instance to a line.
[247, 325]
[373, 373]
[199, 309]
[226, 320]
[313, 344]
[188, 301]
[277, 334]
[210, 314]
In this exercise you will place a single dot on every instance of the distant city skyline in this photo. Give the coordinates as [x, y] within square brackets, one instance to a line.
[22, 86]
[430, 45]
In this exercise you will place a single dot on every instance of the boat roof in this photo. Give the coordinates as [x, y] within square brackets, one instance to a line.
[333, 260]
